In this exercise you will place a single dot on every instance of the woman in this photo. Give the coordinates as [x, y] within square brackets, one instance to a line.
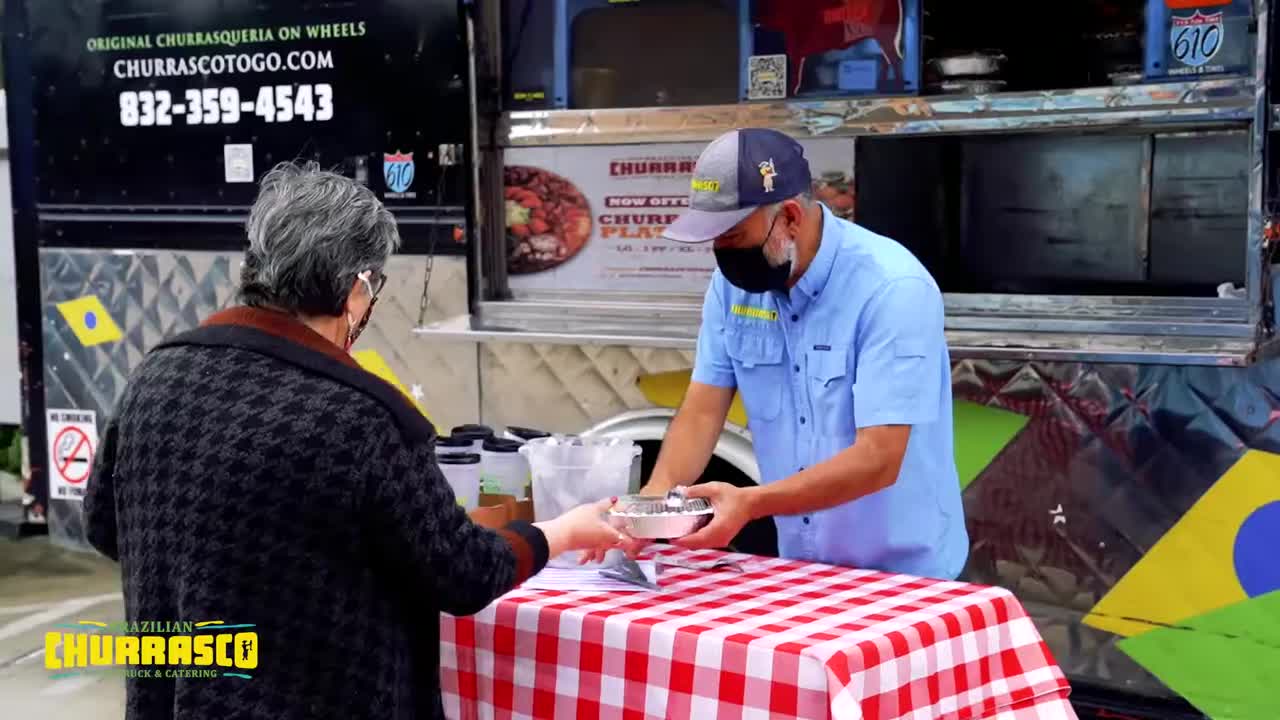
[255, 474]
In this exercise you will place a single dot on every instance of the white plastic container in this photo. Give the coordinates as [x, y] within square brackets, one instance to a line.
[503, 470]
[569, 471]
[462, 472]
[523, 435]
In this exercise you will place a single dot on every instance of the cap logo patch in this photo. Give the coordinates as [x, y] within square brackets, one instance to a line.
[768, 172]
[705, 185]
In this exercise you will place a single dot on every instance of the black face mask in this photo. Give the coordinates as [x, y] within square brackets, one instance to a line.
[748, 268]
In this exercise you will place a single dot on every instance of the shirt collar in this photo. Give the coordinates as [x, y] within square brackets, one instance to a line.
[815, 277]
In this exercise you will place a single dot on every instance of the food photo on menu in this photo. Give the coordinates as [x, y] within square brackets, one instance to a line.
[548, 219]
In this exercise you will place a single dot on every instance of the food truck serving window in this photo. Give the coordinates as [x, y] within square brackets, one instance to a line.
[157, 105]
[1144, 214]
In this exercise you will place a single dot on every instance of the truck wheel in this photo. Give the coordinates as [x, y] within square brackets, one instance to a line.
[759, 537]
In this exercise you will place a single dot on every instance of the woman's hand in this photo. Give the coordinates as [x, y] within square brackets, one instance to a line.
[634, 546]
[583, 528]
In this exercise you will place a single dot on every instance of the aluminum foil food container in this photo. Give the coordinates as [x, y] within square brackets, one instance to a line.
[648, 518]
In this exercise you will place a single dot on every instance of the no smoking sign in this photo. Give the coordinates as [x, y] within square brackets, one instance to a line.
[73, 453]
[73, 441]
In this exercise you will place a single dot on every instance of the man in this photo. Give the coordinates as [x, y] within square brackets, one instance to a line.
[834, 337]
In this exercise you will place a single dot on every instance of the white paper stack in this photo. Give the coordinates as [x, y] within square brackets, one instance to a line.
[587, 580]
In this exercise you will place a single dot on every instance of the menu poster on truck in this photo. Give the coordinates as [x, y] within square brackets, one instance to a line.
[591, 218]
[189, 104]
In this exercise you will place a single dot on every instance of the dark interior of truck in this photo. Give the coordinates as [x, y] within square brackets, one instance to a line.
[1114, 214]
[1082, 43]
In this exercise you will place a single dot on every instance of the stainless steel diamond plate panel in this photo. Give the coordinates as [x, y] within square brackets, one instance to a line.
[1120, 453]
[150, 296]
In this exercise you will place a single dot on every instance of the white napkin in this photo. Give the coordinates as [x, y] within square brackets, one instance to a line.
[587, 580]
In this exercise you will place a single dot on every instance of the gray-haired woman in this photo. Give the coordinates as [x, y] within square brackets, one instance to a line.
[255, 474]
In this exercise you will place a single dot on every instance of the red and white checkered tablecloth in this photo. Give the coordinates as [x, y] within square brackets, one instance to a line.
[785, 640]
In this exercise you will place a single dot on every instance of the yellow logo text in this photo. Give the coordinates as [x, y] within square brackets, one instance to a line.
[65, 650]
[140, 645]
[754, 312]
[705, 185]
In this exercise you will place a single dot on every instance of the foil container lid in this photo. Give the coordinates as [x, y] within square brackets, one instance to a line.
[644, 506]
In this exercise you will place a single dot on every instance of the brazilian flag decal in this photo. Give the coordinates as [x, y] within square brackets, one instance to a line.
[1201, 610]
[90, 321]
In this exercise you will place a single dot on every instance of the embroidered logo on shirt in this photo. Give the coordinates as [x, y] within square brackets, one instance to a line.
[754, 312]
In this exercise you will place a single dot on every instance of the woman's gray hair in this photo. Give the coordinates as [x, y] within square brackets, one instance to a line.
[311, 233]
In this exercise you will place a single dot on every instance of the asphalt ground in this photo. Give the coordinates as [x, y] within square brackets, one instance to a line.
[42, 584]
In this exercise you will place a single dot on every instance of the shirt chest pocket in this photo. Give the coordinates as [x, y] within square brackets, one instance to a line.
[831, 388]
[757, 365]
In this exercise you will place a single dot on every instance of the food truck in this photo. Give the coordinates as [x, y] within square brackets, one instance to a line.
[1093, 186]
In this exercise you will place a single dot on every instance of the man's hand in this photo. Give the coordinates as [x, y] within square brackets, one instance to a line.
[688, 444]
[733, 506]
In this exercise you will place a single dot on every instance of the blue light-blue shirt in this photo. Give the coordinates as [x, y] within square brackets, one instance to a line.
[858, 342]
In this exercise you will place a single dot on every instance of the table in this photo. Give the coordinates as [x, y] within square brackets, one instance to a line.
[784, 640]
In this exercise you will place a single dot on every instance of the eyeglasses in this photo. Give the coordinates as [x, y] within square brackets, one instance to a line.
[374, 281]
[374, 284]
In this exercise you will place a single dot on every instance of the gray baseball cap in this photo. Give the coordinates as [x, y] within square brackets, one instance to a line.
[738, 172]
